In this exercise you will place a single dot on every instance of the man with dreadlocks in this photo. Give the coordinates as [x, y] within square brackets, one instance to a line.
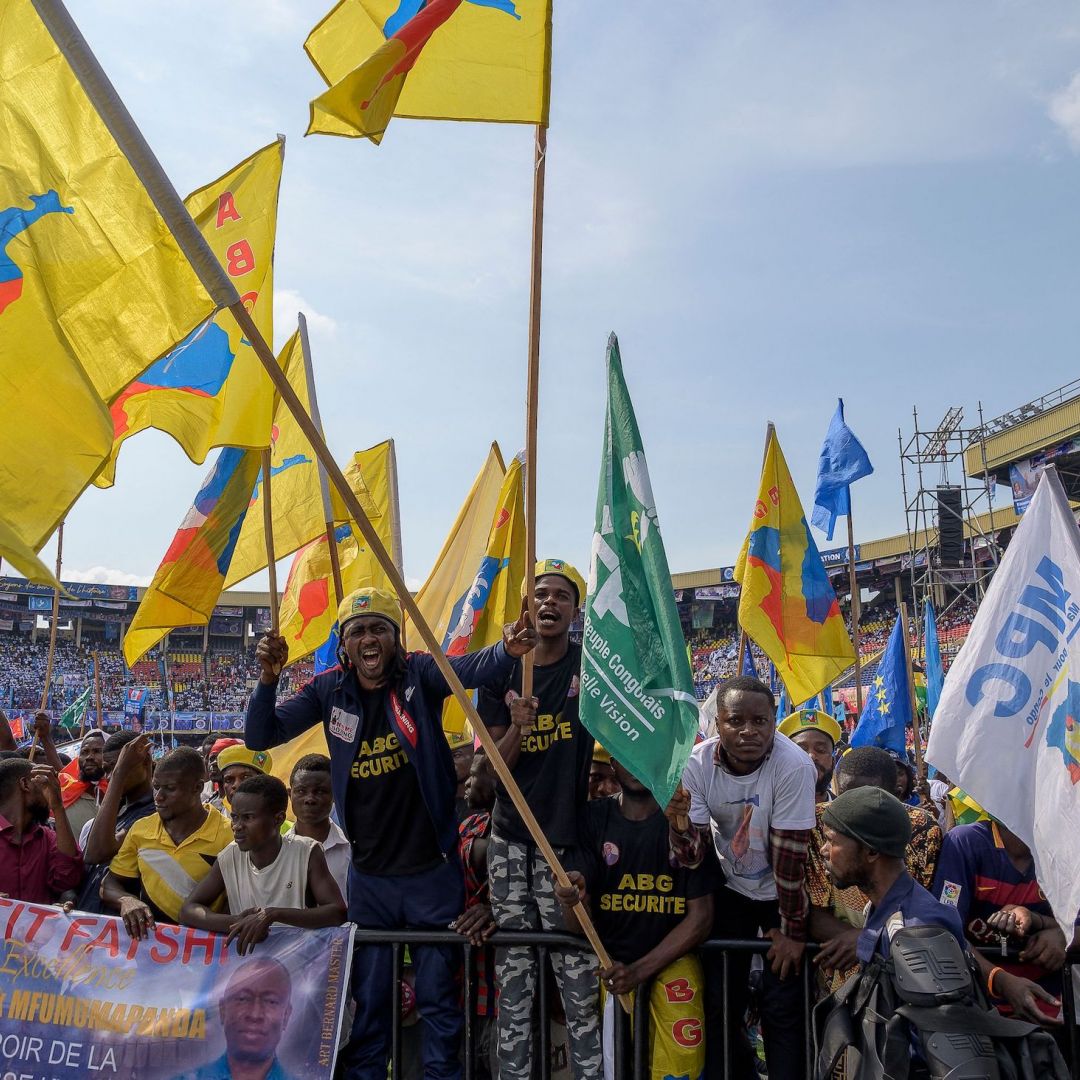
[394, 784]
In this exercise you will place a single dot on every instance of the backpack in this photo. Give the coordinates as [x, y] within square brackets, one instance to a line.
[922, 1013]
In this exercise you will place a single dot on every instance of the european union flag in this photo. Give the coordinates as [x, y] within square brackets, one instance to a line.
[886, 716]
[843, 461]
[935, 673]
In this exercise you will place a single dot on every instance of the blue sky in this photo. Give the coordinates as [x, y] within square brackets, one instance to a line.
[772, 204]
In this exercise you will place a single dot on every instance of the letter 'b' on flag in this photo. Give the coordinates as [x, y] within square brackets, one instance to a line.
[637, 691]
[93, 285]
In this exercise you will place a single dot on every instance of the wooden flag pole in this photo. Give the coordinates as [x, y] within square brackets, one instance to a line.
[532, 391]
[52, 632]
[855, 607]
[97, 690]
[352, 503]
[268, 533]
[101, 94]
[395, 526]
[919, 766]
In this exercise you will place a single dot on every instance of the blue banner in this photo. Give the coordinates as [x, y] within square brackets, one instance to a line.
[81, 998]
[135, 701]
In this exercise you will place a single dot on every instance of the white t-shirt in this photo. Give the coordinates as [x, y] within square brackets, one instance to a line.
[282, 884]
[338, 852]
[742, 809]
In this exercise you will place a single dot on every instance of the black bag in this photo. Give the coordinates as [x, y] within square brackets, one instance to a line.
[922, 1013]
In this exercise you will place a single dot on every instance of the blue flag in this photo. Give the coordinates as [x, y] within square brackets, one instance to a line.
[886, 715]
[748, 663]
[843, 461]
[935, 673]
[326, 654]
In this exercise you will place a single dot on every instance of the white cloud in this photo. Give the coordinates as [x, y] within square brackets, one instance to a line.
[104, 575]
[287, 302]
[1064, 110]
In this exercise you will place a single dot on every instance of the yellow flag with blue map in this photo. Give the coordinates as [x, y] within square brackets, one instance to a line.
[430, 59]
[93, 285]
[212, 390]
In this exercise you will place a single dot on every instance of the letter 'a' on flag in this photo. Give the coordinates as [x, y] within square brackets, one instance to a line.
[93, 285]
[493, 597]
[1007, 727]
[212, 390]
[886, 716]
[843, 461]
[787, 605]
[189, 580]
[637, 691]
[295, 488]
[309, 605]
[486, 60]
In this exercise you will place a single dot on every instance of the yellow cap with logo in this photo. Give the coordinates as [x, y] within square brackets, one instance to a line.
[369, 601]
[562, 569]
[259, 760]
[458, 739]
[810, 720]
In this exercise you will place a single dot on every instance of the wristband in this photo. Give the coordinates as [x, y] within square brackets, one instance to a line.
[990, 980]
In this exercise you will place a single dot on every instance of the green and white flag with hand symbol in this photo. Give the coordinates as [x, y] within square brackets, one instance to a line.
[637, 692]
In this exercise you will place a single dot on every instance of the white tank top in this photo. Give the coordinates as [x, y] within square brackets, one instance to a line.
[282, 884]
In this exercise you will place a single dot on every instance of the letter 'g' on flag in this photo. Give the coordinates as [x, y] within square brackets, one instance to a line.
[637, 691]
[441, 60]
[93, 285]
[787, 605]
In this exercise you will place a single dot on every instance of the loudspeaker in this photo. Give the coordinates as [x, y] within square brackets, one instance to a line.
[950, 527]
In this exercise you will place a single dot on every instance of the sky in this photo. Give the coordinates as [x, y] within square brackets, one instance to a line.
[772, 204]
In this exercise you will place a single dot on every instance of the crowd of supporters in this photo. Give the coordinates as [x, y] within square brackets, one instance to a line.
[777, 833]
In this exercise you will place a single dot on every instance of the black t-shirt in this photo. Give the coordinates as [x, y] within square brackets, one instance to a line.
[638, 891]
[553, 769]
[386, 818]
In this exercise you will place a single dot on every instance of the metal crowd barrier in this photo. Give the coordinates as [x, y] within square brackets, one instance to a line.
[637, 1067]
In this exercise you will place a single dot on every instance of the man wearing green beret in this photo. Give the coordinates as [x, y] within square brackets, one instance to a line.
[866, 834]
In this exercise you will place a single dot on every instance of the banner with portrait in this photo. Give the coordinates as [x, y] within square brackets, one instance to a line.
[81, 999]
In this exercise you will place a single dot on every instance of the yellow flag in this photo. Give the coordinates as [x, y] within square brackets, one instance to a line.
[23, 558]
[445, 60]
[787, 604]
[462, 551]
[309, 607]
[295, 490]
[93, 285]
[312, 741]
[493, 597]
[211, 390]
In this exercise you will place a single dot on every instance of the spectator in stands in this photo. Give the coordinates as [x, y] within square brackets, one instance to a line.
[476, 922]
[237, 763]
[394, 784]
[816, 733]
[461, 750]
[750, 792]
[312, 796]
[36, 864]
[263, 876]
[166, 854]
[548, 751]
[837, 915]
[602, 782]
[650, 917]
[128, 799]
[987, 875]
[866, 835]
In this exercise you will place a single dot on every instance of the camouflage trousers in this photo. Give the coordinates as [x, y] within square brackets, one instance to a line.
[523, 898]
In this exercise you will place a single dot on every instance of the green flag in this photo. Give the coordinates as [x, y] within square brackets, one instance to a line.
[637, 692]
[73, 716]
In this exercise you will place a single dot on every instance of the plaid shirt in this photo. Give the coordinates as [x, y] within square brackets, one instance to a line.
[477, 827]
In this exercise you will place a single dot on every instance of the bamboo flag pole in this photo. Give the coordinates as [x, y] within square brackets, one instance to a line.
[52, 632]
[129, 138]
[532, 391]
[324, 484]
[911, 693]
[856, 607]
[395, 525]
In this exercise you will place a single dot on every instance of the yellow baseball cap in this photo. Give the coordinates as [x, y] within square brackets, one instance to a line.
[369, 601]
[600, 754]
[810, 720]
[259, 760]
[458, 739]
[562, 569]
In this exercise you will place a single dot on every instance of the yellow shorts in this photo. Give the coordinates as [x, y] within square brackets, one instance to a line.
[677, 1023]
